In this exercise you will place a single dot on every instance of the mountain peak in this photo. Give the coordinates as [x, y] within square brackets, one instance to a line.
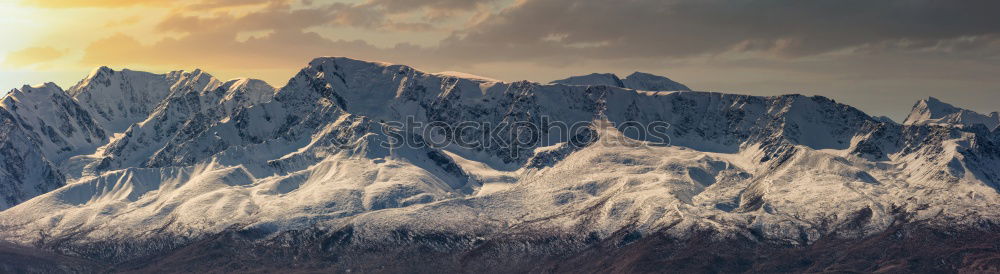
[637, 80]
[936, 104]
[652, 82]
[101, 70]
[120, 98]
[186, 73]
[324, 59]
[256, 86]
[98, 73]
[642, 74]
[35, 92]
[593, 79]
[46, 85]
[935, 111]
[60, 125]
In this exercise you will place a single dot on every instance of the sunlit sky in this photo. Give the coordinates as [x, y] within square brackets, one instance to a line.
[880, 56]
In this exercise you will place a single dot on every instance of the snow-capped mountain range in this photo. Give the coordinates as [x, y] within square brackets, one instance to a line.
[932, 111]
[128, 165]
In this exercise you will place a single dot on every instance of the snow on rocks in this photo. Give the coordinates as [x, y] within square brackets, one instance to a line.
[196, 156]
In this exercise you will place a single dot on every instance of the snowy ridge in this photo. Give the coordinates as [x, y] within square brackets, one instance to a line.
[932, 111]
[213, 156]
[195, 98]
[60, 125]
[466, 76]
[636, 80]
[118, 99]
[645, 81]
[42, 127]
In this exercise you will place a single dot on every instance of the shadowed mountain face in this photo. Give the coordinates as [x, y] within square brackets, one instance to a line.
[185, 172]
[23, 259]
[636, 80]
[905, 248]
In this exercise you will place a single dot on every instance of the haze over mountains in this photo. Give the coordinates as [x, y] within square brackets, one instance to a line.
[139, 170]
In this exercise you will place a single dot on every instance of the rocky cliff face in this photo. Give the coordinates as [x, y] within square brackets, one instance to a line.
[25, 172]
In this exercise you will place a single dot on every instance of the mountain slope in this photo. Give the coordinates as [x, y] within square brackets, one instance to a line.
[60, 125]
[933, 111]
[316, 165]
[118, 99]
[195, 98]
[41, 127]
[24, 170]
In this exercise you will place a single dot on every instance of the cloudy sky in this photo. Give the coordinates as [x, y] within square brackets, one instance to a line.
[880, 56]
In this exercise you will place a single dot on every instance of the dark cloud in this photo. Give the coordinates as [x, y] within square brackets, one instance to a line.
[276, 16]
[561, 32]
[280, 38]
[409, 5]
[212, 4]
[680, 28]
[433, 10]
